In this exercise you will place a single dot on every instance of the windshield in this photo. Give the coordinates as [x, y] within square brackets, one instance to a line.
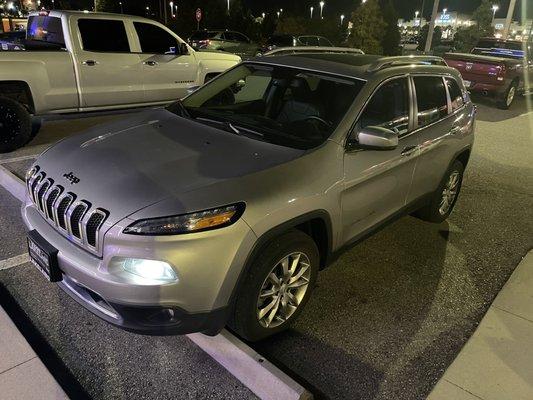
[281, 105]
[499, 49]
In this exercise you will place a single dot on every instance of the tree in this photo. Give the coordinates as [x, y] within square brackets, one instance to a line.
[368, 28]
[391, 40]
[466, 38]
[437, 37]
[105, 5]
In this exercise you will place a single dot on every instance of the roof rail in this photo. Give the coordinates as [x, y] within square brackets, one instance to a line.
[312, 49]
[387, 62]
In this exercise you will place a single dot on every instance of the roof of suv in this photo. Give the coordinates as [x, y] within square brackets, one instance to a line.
[362, 66]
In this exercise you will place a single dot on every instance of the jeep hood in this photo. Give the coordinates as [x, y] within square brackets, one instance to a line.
[154, 155]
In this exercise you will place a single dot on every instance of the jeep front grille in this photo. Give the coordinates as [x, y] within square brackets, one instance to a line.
[72, 217]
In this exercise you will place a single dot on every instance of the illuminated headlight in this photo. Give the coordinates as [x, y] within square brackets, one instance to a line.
[152, 270]
[188, 223]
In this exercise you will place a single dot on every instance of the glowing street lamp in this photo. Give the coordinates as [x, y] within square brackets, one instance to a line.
[311, 11]
[121, 9]
[228, 6]
[321, 8]
[342, 18]
[263, 15]
[278, 14]
[494, 9]
[172, 9]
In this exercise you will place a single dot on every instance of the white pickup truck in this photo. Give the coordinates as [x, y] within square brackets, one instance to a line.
[82, 61]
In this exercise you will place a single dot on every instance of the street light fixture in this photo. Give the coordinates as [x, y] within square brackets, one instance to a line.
[311, 11]
[121, 9]
[342, 18]
[278, 14]
[172, 9]
[321, 8]
[494, 9]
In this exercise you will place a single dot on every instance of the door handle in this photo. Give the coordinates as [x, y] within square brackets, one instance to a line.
[407, 151]
[455, 130]
[150, 63]
[90, 63]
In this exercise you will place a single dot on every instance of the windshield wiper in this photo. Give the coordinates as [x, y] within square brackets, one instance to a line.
[227, 125]
[179, 109]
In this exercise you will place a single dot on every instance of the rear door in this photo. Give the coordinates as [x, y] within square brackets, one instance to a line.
[108, 72]
[440, 117]
[167, 76]
[377, 182]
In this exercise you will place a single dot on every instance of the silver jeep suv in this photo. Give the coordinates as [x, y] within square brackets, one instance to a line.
[222, 208]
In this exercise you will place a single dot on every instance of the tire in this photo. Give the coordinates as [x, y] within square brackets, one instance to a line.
[245, 319]
[435, 211]
[15, 125]
[508, 97]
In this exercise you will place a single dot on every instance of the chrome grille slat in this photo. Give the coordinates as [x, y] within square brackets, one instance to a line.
[70, 216]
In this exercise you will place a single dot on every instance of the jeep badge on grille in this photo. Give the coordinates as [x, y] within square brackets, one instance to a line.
[72, 178]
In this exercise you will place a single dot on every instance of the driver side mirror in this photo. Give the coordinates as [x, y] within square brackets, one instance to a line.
[373, 138]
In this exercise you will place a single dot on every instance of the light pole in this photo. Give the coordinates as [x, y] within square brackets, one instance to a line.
[278, 14]
[172, 9]
[228, 6]
[121, 9]
[263, 15]
[494, 9]
[321, 8]
[342, 19]
[53, 4]
[311, 11]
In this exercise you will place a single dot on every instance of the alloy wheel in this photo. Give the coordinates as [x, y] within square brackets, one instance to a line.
[510, 95]
[449, 193]
[283, 290]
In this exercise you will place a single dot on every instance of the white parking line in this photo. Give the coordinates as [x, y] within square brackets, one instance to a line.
[256, 373]
[14, 261]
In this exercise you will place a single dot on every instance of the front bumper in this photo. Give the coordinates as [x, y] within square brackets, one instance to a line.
[207, 264]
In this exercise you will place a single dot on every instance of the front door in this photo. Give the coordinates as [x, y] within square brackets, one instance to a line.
[167, 76]
[109, 73]
[377, 182]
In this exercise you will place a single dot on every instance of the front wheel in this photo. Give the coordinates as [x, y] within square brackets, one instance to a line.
[444, 198]
[15, 125]
[277, 286]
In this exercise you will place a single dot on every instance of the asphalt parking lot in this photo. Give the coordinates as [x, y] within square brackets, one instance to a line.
[384, 322]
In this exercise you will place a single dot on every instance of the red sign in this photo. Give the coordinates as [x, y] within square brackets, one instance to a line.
[198, 15]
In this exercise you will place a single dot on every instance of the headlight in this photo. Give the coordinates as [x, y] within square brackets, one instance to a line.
[188, 223]
[150, 270]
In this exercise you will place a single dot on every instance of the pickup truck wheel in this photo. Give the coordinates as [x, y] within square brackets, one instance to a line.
[444, 198]
[508, 97]
[15, 125]
[277, 286]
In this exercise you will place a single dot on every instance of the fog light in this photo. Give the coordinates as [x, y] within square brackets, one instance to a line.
[149, 269]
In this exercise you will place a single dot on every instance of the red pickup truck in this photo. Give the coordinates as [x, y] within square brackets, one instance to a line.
[497, 68]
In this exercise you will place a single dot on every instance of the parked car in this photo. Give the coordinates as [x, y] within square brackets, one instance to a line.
[497, 68]
[224, 40]
[278, 51]
[81, 61]
[222, 208]
[12, 40]
[284, 40]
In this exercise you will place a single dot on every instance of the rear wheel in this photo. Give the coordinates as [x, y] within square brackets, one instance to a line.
[15, 125]
[508, 97]
[277, 286]
[444, 198]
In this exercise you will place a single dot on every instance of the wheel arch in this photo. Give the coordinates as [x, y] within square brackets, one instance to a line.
[19, 91]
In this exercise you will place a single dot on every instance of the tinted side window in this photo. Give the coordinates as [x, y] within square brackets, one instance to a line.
[456, 95]
[431, 99]
[389, 107]
[103, 35]
[240, 38]
[153, 39]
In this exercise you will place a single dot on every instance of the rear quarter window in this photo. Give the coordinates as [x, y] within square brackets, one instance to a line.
[456, 95]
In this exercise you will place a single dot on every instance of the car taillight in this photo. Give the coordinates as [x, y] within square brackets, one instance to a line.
[501, 73]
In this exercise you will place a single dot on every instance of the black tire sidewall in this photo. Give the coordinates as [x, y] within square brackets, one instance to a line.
[245, 320]
[434, 214]
[23, 135]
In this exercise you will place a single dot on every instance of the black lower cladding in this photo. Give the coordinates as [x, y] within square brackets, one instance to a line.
[156, 320]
